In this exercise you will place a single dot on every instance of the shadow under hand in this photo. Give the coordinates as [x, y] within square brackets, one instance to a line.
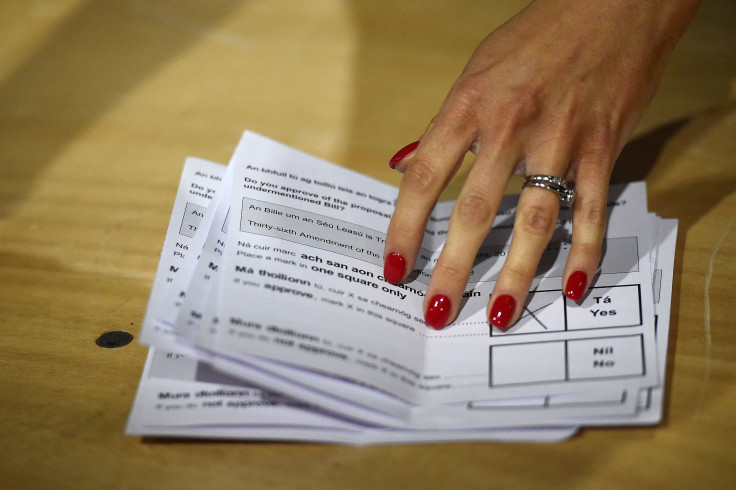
[640, 155]
[687, 164]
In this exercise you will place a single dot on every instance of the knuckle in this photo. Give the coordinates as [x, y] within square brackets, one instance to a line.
[473, 209]
[587, 251]
[462, 105]
[536, 220]
[469, 91]
[519, 106]
[557, 125]
[421, 176]
[515, 274]
[591, 214]
[450, 270]
[406, 229]
[600, 140]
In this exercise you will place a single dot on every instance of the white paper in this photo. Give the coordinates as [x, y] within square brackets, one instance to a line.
[323, 305]
[171, 401]
[281, 288]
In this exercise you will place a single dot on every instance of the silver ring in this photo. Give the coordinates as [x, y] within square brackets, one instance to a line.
[561, 187]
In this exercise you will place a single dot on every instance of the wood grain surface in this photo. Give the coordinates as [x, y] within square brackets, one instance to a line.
[101, 101]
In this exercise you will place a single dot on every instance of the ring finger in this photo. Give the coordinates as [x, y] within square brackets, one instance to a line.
[536, 218]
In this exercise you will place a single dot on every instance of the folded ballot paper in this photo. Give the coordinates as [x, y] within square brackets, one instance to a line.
[269, 318]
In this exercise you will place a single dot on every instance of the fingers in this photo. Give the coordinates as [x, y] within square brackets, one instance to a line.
[588, 230]
[434, 162]
[535, 222]
[536, 217]
[402, 157]
[472, 218]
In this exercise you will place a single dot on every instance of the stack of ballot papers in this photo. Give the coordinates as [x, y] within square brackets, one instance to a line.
[269, 318]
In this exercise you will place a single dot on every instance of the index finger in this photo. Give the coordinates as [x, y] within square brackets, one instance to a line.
[436, 158]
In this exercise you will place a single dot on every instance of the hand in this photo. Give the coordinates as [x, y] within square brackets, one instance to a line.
[555, 91]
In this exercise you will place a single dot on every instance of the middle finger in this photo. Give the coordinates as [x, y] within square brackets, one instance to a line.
[534, 225]
[472, 218]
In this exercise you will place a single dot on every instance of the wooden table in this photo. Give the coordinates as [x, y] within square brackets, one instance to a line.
[101, 101]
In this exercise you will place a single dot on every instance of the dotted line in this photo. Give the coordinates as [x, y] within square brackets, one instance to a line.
[455, 335]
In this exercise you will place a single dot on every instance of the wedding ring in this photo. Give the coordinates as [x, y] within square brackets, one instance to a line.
[559, 186]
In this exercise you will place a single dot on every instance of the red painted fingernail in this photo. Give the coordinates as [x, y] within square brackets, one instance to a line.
[438, 311]
[575, 287]
[394, 267]
[502, 311]
[402, 153]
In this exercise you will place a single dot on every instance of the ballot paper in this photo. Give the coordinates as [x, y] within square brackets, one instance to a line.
[270, 283]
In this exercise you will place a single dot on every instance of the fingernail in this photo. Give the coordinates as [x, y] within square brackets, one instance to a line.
[575, 287]
[502, 311]
[438, 311]
[402, 153]
[394, 267]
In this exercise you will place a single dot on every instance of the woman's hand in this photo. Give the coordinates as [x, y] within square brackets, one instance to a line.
[555, 91]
